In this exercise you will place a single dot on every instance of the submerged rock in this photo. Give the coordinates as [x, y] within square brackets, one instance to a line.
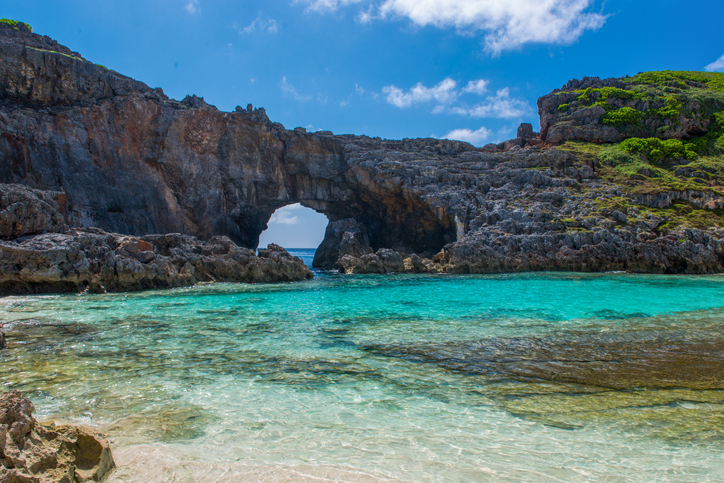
[98, 262]
[32, 452]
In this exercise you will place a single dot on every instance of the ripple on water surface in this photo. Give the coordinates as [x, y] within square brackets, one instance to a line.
[533, 377]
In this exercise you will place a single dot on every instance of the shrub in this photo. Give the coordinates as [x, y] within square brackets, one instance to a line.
[619, 117]
[564, 107]
[655, 149]
[588, 96]
[671, 110]
[712, 80]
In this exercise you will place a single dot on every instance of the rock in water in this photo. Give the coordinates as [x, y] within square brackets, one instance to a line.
[33, 452]
[101, 262]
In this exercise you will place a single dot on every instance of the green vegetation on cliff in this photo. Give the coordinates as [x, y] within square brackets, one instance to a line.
[14, 24]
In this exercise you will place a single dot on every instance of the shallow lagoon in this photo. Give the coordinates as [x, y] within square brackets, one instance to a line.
[530, 377]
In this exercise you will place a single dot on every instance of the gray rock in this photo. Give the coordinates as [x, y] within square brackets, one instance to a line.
[98, 262]
[192, 169]
[25, 211]
[342, 237]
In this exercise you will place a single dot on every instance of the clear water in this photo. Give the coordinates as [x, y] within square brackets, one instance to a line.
[530, 377]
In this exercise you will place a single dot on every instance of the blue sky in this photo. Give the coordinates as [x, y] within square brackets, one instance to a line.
[464, 69]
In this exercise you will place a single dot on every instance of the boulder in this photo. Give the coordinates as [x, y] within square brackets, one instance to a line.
[342, 237]
[32, 452]
[525, 131]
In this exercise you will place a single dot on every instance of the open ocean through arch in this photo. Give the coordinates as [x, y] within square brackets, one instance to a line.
[532, 377]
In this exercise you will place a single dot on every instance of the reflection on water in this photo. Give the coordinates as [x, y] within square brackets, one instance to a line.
[533, 377]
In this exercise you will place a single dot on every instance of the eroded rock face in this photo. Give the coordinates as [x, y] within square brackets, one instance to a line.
[571, 114]
[25, 211]
[31, 452]
[132, 161]
[342, 238]
[100, 262]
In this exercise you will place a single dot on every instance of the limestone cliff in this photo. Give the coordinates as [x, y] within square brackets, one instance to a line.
[130, 160]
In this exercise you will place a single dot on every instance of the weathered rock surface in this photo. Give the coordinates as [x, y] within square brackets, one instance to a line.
[577, 110]
[97, 261]
[342, 238]
[25, 211]
[130, 160]
[31, 452]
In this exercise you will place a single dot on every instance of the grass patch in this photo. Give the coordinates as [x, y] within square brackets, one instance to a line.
[582, 150]
[681, 79]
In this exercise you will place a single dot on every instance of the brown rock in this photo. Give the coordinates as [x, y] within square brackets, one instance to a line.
[47, 453]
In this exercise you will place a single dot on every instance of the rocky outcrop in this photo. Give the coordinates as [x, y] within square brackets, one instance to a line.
[98, 262]
[31, 452]
[25, 211]
[673, 108]
[129, 160]
[342, 238]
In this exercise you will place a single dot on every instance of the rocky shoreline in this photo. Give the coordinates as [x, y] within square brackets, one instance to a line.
[33, 452]
[40, 254]
[118, 157]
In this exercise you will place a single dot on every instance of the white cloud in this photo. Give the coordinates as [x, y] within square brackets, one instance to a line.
[717, 65]
[359, 89]
[500, 106]
[479, 86]
[505, 25]
[444, 92]
[261, 24]
[289, 91]
[327, 5]
[447, 96]
[473, 137]
[286, 216]
[193, 7]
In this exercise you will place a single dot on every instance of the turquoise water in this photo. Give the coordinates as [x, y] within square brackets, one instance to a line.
[530, 377]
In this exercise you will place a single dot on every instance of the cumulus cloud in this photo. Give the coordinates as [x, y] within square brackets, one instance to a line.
[261, 24]
[476, 87]
[444, 92]
[290, 91]
[504, 25]
[192, 7]
[286, 216]
[468, 135]
[717, 65]
[499, 106]
[447, 96]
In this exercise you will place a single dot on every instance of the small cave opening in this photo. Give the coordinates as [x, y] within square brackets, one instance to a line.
[297, 228]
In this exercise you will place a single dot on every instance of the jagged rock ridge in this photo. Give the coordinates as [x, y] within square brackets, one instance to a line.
[132, 161]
